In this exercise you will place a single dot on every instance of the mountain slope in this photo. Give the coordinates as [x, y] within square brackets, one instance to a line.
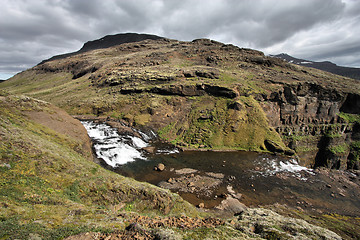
[325, 66]
[208, 95]
[107, 41]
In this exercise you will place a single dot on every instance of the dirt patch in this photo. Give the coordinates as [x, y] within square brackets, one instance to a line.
[61, 122]
[185, 171]
[204, 185]
[144, 227]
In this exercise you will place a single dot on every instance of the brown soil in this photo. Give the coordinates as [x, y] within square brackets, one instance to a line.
[139, 227]
[60, 121]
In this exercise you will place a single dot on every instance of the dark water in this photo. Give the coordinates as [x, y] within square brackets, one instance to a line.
[262, 179]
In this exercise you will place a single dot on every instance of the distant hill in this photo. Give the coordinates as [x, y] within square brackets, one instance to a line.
[106, 42]
[325, 66]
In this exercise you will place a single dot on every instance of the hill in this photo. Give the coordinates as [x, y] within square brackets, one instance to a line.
[201, 95]
[105, 42]
[325, 66]
[208, 95]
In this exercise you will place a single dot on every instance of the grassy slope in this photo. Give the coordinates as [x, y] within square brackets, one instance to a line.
[48, 187]
[245, 130]
[162, 64]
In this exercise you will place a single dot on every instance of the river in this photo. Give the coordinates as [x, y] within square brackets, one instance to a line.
[261, 179]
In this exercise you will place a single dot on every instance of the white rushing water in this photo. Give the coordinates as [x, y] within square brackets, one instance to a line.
[113, 148]
[116, 149]
[271, 167]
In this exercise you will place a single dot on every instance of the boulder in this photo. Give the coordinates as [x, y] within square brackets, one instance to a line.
[273, 146]
[160, 167]
[236, 106]
[149, 149]
[232, 205]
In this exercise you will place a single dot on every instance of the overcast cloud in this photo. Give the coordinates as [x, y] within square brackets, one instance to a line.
[31, 31]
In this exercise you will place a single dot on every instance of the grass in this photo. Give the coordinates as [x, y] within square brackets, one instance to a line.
[346, 226]
[50, 189]
[354, 156]
[350, 118]
[339, 148]
[12, 228]
[212, 125]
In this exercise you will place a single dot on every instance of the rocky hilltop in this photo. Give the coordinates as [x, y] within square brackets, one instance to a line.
[207, 95]
[105, 42]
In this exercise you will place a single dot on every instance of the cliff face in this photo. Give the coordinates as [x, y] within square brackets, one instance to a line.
[208, 95]
[314, 121]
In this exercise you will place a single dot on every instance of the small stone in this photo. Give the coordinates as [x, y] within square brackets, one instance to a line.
[231, 178]
[160, 167]
[191, 184]
[201, 205]
[341, 194]
[328, 186]
[149, 149]
[299, 208]
[170, 180]
[5, 165]
[34, 236]
[238, 196]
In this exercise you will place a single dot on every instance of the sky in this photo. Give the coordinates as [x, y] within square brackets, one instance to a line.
[319, 30]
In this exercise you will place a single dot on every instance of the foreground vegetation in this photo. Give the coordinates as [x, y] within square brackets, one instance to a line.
[49, 187]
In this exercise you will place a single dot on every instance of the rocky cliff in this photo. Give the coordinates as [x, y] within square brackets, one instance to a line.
[314, 121]
[208, 95]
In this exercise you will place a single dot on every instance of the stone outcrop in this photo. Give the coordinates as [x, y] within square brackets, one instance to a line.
[270, 225]
[307, 115]
[185, 90]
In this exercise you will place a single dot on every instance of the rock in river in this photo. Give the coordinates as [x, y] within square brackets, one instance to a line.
[160, 167]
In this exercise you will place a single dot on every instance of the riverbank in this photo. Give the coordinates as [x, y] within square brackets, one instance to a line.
[261, 178]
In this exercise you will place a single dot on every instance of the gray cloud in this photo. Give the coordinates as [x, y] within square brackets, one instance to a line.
[315, 29]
